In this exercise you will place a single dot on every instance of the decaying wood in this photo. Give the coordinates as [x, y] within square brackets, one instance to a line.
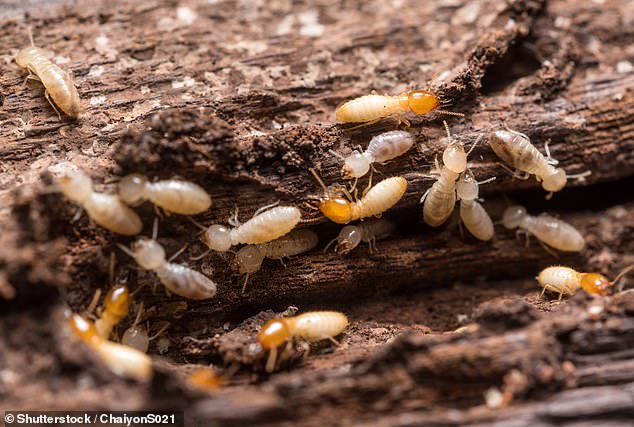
[241, 100]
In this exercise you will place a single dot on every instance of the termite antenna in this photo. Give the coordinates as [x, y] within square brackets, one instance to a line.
[155, 228]
[474, 145]
[486, 181]
[450, 113]
[30, 33]
[334, 153]
[444, 122]
[622, 273]
[126, 250]
[328, 245]
[319, 180]
[580, 176]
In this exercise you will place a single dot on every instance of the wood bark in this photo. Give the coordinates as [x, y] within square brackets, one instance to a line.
[231, 96]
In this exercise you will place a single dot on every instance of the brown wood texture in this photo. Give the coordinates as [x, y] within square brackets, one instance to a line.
[239, 97]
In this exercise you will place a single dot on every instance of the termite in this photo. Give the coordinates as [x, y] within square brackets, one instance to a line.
[106, 210]
[566, 281]
[440, 199]
[120, 359]
[367, 231]
[311, 326]
[549, 230]
[372, 108]
[58, 84]
[180, 279]
[172, 195]
[137, 336]
[249, 258]
[472, 213]
[377, 200]
[262, 228]
[116, 304]
[382, 148]
[516, 149]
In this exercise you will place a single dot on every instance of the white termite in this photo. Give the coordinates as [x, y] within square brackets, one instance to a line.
[367, 231]
[136, 336]
[58, 84]
[382, 148]
[516, 149]
[262, 228]
[549, 230]
[106, 210]
[249, 259]
[180, 279]
[440, 199]
[472, 213]
[172, 195]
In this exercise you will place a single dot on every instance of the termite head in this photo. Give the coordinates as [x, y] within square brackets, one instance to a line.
[248, 260]
[148, 253]
[217, 238]
[556, 181]
[76, 185]
[273, 334]
[348, 239]
[595, 283]
[24, 55]
[357, 165]
[136, 337]
[335, 208]
[117, 300]
[84, 329]
[132, 188]
[513, 216]
[467, 186]
[422, 101]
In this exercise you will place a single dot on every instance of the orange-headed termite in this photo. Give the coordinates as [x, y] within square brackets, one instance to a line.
[516, 149]
[377, 200]
[58, 84]
[382, 148]
[115, 308]
[367, 231]
[172, 195]
[311, 326]
[440, 199]
[106, 210]
[120, 359]
[566, 281]
[371, 108]
[549, 230]
[180, 279]
[262, 228]
[472, 213]
[249, 259]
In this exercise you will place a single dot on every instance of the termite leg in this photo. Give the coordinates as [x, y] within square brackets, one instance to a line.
[244, 285]
[264, 208]
[270, 362]
[542, 292]
[422, 199]
[233, 219]
[548, 249]
[197, 224]
[360, 125]
[93, 302]
[77, 215]
[283, 263]
[50, 101]
[178, 252]
[460, 228]
[549, 159]
[334, 341]
[201, 256]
